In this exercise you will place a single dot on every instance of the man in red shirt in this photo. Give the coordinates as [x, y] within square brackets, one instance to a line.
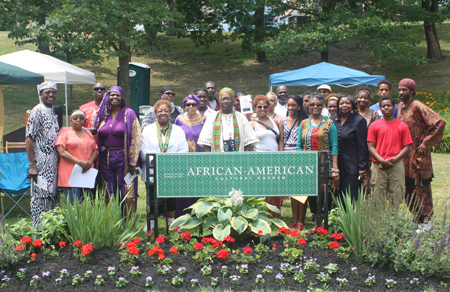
[90, 109]
[388, 140]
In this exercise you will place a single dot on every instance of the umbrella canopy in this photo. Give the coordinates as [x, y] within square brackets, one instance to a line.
[10, 74]
[323, 73]
[53, 69]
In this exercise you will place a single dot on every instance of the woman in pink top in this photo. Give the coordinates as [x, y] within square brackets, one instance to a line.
[75, 145]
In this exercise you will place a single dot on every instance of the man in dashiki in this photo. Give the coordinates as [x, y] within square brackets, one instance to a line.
[41, 133]
[427, 129]
[227, 130]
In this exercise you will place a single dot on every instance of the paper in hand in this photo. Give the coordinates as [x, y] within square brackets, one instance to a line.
[78, 179]
[246, 104]
[129, 177]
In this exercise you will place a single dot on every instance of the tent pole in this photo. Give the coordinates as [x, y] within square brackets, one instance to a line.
[67, 110]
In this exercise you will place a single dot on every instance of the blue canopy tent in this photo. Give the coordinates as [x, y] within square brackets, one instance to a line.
[324, 73]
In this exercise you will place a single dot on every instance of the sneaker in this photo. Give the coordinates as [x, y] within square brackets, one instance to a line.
[152, 226]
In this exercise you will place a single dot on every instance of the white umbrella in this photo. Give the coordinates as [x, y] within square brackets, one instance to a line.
[51, 68]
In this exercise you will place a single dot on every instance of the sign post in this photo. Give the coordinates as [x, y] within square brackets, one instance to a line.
[256, 174]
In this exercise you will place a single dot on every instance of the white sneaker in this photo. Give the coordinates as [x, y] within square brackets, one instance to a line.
[152, 226]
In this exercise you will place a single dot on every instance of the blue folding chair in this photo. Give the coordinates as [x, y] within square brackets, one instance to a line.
[13, 179]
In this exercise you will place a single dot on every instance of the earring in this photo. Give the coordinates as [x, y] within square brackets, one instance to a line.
[352, 111]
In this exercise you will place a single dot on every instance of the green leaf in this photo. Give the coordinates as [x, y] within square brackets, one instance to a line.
[210, 221]
[278, 222]
[203, 208]
[273, 208]
[258, 225]
[224, 216]
[250, 214]
[239, 224]
[220, 232]
[265, 218]
[180, 221]
[194, 222]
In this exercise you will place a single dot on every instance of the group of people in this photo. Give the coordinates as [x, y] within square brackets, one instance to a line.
[107, 135]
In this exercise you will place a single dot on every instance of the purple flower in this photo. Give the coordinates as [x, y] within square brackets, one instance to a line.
[279, 276]
[6, 278]
[121, 279]
[269, 267]
[99, 276]
[384, 252]
[88, 272]
[134, 268]
[36, 277]
[58, 280]
[376, 245]
[284, 265]
[22, 270]
[149, 279]
[224, 267]
[46, 274]
[77, 276]
[259, 276]
[192, 280]
[244, 266]
[63, 271]
[111, 269]
[354, 268]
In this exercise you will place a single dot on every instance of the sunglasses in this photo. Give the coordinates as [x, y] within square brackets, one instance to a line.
[262, 106]
[315, 104]
[99, 88]
[169, 93]
[191, 105]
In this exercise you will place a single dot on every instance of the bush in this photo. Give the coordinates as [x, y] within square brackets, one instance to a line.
[23, 227]
[99, 223]
[391, 239]
[8, 253]
[54, 226]
[236, 216]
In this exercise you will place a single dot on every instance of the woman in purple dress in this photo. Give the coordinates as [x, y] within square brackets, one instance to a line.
[192, 124]
[119, 142]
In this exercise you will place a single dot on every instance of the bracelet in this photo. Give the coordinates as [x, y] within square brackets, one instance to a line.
[33, 166]
[335, 170]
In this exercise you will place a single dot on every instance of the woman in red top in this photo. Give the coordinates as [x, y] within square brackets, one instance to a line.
[75, 145]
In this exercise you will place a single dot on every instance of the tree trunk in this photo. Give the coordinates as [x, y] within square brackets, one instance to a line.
[324, 56]
[124, 57]
[259, 30]
[434, 52]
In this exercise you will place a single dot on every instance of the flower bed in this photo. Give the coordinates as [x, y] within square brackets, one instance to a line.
[283, 262]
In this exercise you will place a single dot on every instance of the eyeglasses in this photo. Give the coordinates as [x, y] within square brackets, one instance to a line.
[191, 105]
[77, 118]
[262, 106]
[99, 88]
[169, 93]
[162, 111]
[315, 104]
[48, 92]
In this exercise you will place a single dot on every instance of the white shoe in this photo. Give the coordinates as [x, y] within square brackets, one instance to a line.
[152, 226]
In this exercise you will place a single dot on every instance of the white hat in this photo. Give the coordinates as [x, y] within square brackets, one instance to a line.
[325, 86]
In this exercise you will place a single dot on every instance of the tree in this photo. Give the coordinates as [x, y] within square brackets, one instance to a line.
[246, 19]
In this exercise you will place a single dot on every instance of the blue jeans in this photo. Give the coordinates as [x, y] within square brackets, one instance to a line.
[78, 192]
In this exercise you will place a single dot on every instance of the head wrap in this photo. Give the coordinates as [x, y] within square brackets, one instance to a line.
[77, 113]
[105, 108]
[411, 84]
[46, 85]
[191, 97]
[165, 88]
[226, 90]
[333, 98]
[325, 86]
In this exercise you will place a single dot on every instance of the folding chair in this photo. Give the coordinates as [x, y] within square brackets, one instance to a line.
[13, 179]
[15, 145]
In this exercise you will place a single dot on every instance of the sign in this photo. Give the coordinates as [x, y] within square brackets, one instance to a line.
[255, 173]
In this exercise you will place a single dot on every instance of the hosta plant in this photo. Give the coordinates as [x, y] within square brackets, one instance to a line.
[236, 216]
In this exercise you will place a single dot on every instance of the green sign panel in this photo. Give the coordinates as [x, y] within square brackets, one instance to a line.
[255, 173]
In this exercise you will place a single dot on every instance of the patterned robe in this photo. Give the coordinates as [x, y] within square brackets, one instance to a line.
[427, 127]
[43, 128]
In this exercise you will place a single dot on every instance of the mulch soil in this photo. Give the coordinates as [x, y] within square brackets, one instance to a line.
[102, 258]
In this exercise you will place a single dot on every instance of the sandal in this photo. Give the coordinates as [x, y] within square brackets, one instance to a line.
[300, 226]
[311, 231]
[293, 225]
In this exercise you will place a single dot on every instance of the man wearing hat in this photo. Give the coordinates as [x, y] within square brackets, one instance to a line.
[427, 129]
[227, 130]
[166, 93]
[324, 89]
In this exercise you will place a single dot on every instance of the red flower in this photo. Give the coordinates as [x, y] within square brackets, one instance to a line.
[198, 245]
[136, 240]
[130, 244]
[247, 249]
[86, 249]
[173, 250]
[19, 248]
[320, 230]
[62, 243]
[260, 232]
[25, 240]
[78, 243]
[37, 243]
[186, 236]
[325, 232]
[160, 239]
[301, 241]
[156, 250]
[229, 239]
[334, 244]
[222, 254]
[282, 230]
[217, 244]
[338, 236]
[33, 255]
[133, 250]
[274, 245]
[294, 233]
[150, 233]
[161, 256]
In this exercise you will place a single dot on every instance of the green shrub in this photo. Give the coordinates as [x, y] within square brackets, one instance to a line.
[237, 216]
[99, 223]
[8, 253]
[54, 226]
[23, 227]
[391, 239]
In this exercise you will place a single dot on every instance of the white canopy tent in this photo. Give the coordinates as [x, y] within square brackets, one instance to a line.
[51, 68]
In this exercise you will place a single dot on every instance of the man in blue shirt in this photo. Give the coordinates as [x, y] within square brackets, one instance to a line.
[383, 89]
